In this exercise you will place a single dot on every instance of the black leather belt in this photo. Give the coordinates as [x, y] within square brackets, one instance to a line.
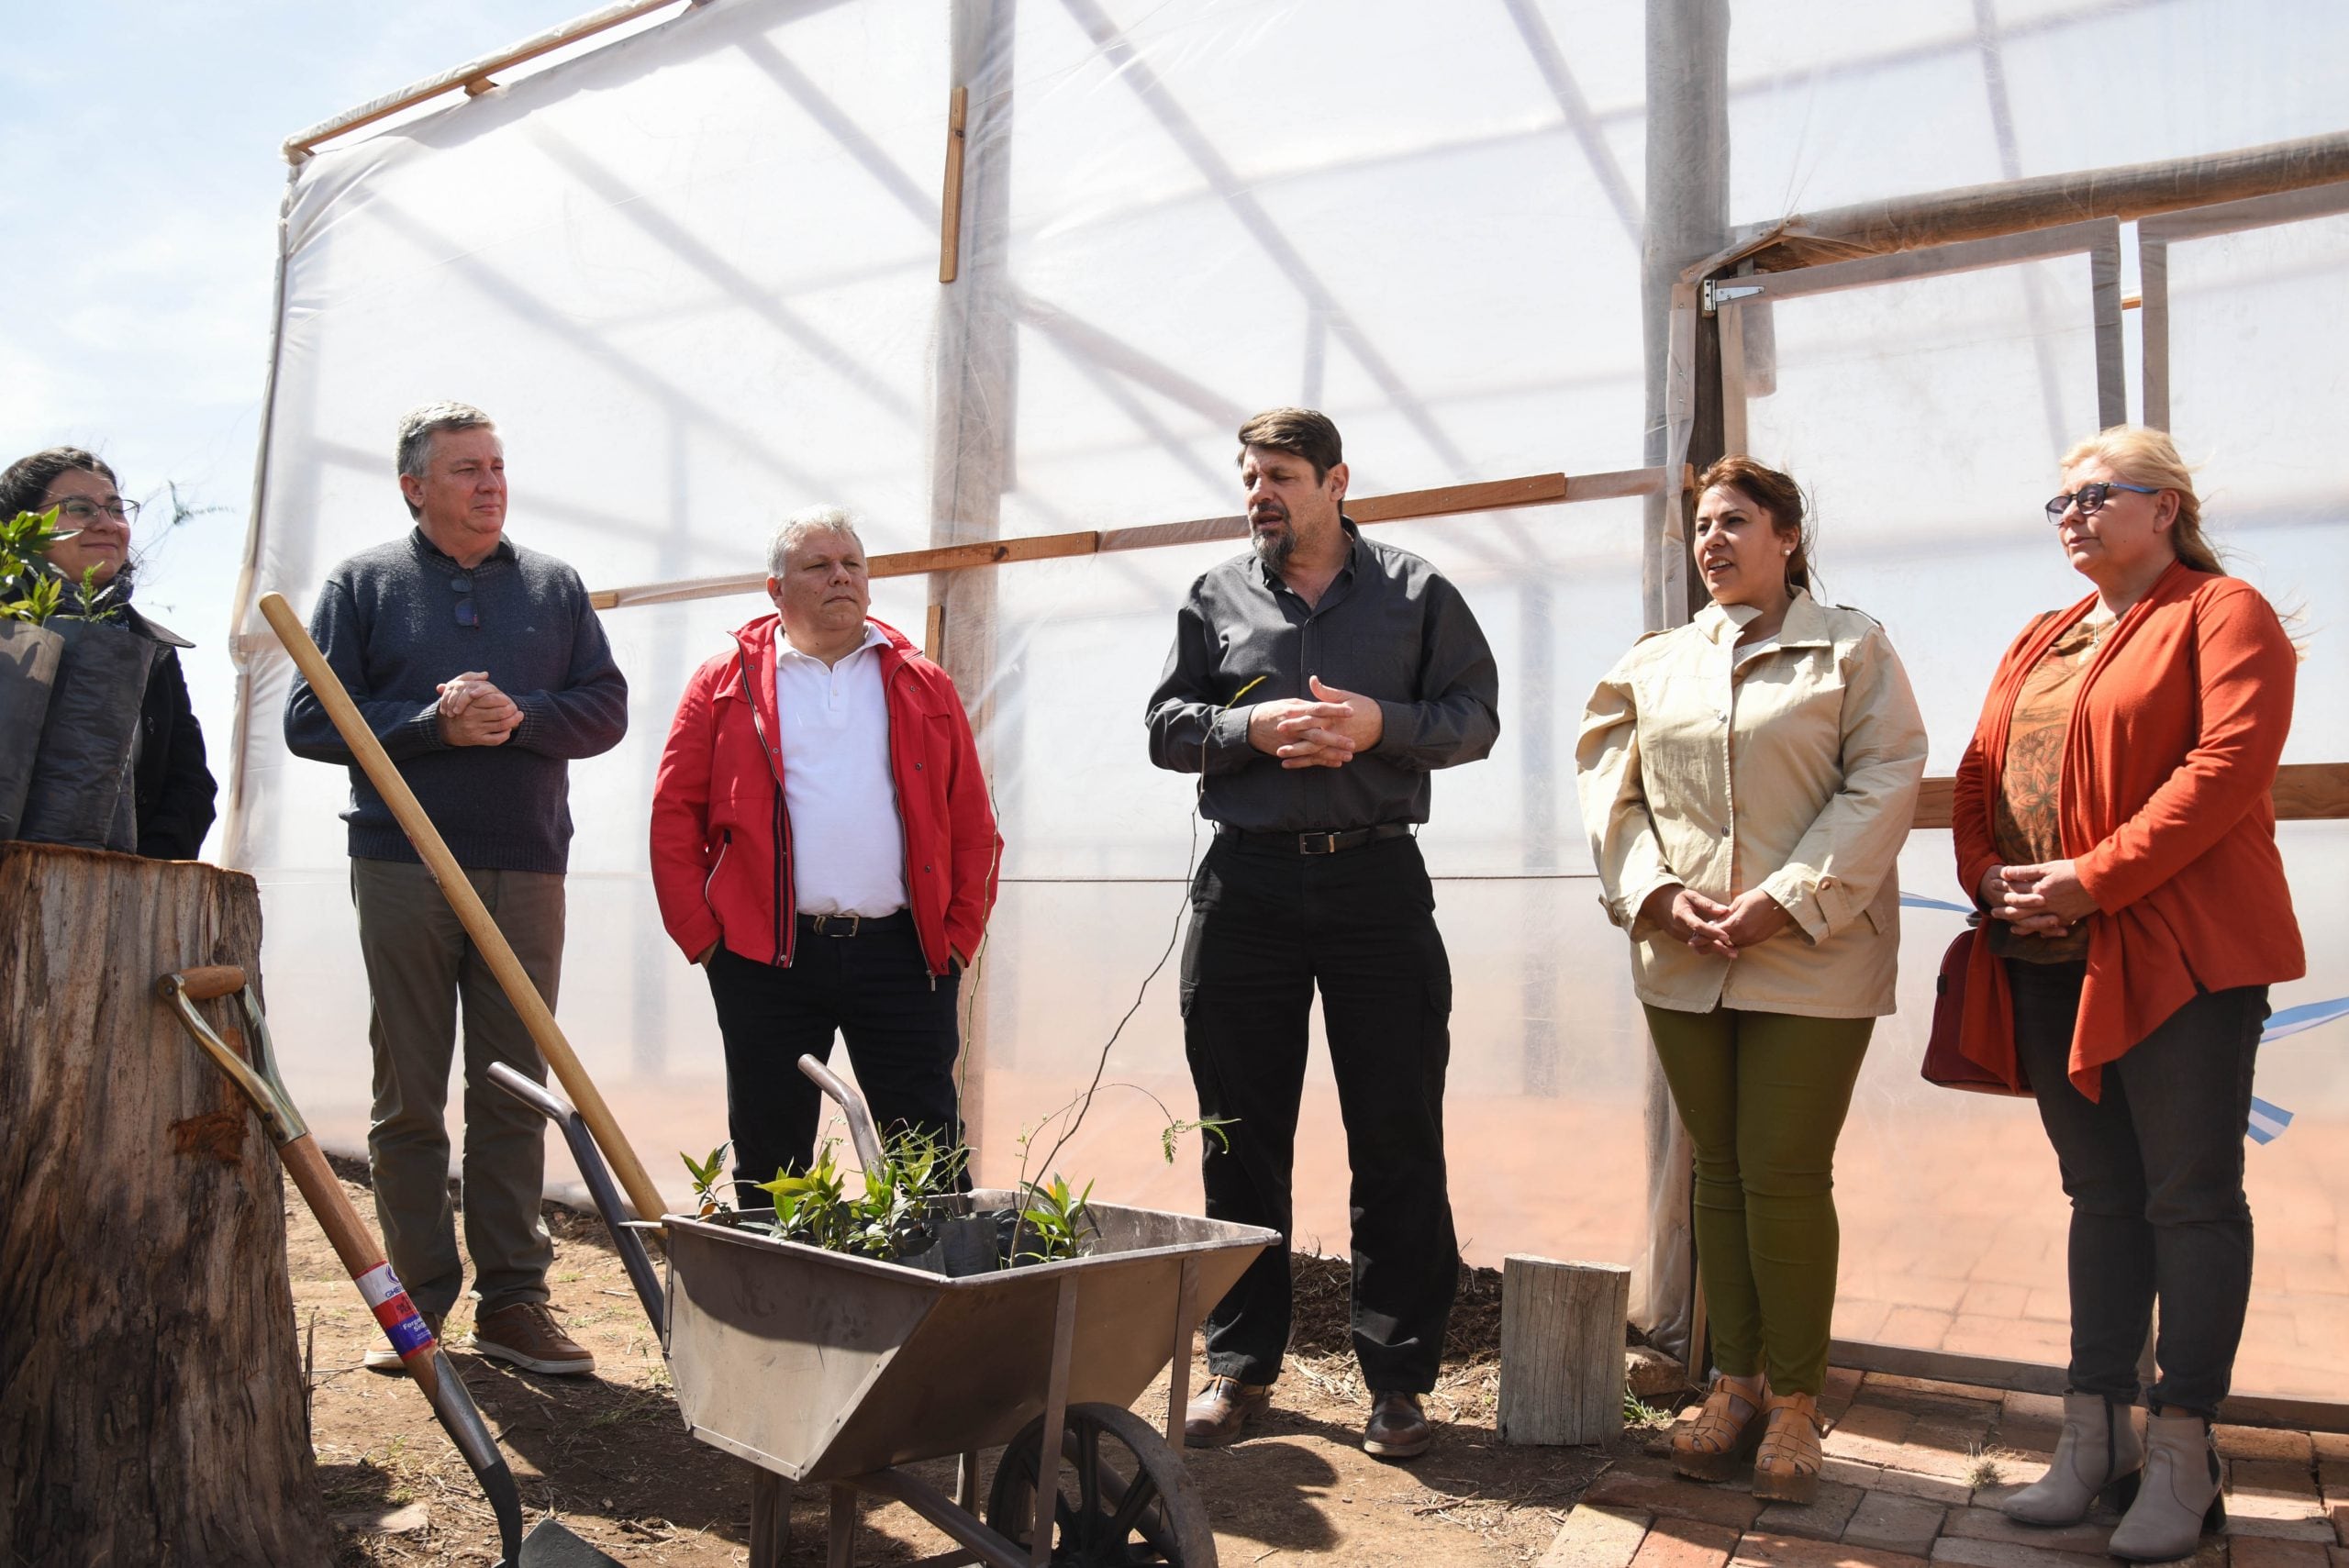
[1320, 843]
[856, 925]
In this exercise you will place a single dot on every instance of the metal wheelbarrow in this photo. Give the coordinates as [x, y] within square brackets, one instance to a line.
[824, 1368]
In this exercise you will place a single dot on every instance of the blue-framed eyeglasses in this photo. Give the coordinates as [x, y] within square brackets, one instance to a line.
[462, 586]
[2090, 498]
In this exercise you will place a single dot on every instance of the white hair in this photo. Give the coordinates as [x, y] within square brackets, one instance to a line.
[798, 527]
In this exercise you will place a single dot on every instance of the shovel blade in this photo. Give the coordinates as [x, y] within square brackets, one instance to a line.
[551, 1546]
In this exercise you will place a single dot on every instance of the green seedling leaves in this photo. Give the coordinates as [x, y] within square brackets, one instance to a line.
[1054, 1222]
[1212, 1125]
[38, 591]
[707, 1186]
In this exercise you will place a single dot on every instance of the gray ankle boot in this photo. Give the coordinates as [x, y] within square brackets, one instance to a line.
[2099, 1454]
[2179, 1502]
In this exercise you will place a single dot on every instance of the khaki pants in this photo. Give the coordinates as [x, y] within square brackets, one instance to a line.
[419, 964]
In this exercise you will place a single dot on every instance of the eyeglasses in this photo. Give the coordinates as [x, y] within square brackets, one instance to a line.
[81, 509]
[2090, 498]
[462, 586]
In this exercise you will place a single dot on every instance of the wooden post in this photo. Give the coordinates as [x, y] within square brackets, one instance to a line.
[151, 1404]
[1562, 1350]
[972, 436]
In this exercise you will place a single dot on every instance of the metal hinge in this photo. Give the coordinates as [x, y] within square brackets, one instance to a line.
[1718, 293]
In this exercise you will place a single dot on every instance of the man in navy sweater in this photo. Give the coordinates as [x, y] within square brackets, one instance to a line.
[483, 670]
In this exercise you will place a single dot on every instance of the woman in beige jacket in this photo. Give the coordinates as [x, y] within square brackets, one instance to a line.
[1747, 781]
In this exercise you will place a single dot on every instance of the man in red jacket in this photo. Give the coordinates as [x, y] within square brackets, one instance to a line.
[823, 847]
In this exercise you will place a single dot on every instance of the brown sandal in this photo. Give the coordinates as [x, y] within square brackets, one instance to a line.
[1786, 1466]
[1711, 1447]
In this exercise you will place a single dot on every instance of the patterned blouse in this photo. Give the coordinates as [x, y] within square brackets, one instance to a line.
[2031, 786]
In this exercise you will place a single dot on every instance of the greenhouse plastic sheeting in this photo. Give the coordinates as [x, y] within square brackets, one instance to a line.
[694, 274]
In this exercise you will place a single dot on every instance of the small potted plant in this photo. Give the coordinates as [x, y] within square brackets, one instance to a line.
[79, 788]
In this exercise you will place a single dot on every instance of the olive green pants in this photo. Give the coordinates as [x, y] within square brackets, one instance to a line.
[1762, 1097]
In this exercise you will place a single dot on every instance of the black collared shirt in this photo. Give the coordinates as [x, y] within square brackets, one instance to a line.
[1389, 626]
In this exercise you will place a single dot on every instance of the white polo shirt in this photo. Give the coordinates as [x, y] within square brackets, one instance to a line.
[847, 848]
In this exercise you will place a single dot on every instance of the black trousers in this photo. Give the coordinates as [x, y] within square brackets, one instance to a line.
[2155, 1173]
[875, 989]
[1268, 926]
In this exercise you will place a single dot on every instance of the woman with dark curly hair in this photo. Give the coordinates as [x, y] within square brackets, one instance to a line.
[2114, 817]
[172, 787]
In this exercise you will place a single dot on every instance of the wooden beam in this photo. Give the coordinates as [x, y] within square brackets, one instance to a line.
[1532, 490]
[2313, 792]
[1934, 803]
[473, 77]
[984, 552]
[2305, 791]
[950, 225]
[1974, 212]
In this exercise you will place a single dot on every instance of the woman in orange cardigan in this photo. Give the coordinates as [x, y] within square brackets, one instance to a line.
[2113, 817]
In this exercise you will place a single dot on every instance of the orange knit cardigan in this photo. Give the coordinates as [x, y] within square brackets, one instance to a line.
[2166, 809]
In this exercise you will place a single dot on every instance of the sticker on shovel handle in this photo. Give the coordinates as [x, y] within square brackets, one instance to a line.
[403, 1325]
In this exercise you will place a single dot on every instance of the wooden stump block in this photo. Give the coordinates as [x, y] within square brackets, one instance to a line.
[150, 1400]
[1562, 1350]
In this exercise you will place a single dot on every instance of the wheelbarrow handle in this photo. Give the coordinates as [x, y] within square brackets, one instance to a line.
[861, 1130]
[626, 1240]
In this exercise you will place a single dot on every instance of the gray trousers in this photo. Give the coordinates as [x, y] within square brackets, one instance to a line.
[419, 964]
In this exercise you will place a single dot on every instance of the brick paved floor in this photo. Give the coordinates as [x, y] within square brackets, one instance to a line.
[1914, 1470]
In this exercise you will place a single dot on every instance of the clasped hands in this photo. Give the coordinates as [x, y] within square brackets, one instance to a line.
[1708, 925]
[1327, 732]
[2044, 900]
[475, 713]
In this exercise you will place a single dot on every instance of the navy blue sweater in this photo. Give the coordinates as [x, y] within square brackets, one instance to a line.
[387, 622]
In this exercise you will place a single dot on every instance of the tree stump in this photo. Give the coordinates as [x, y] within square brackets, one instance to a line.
[1562, 1350]
[150, 1388]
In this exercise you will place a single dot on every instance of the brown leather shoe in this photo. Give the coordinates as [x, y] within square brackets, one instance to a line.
[380, 1357]
[1397, 1427]
[1717, 1444]
[1786, 1466]
[1222, 1408]
[527, 1334]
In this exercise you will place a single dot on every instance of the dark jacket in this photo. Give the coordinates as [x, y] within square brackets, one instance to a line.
[174, 790]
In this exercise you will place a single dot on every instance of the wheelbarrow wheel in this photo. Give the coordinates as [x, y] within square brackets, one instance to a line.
[1125, 1500]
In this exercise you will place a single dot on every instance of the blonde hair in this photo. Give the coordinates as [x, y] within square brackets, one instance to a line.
[2143, 455]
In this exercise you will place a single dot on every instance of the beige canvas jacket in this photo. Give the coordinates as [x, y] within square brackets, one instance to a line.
[1790, 765]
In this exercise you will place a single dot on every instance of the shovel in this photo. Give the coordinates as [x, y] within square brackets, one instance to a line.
[550, 1545]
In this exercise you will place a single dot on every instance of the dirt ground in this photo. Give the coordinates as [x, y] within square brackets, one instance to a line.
[609, 1455]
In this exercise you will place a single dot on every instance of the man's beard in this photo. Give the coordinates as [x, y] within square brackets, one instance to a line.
[1274, 546]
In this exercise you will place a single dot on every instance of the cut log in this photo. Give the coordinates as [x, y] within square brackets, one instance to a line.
[1562, 1350]
[150, 1388]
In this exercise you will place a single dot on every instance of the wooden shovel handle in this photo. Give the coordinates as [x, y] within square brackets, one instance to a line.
[315, 1179]
[211, 980]
[475, 917]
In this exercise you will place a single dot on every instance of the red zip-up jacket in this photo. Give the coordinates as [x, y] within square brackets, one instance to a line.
[721, 839]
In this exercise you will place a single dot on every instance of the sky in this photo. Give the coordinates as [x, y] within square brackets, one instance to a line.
[139, 147]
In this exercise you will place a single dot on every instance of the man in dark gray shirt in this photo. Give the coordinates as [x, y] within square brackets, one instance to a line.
[1316, 683]
[483, 670]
